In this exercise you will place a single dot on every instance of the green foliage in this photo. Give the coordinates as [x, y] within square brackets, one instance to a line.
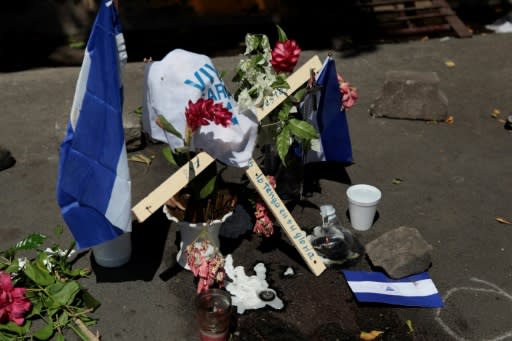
[167, 126]
[256, 78]
[52, 287]
[281, 35]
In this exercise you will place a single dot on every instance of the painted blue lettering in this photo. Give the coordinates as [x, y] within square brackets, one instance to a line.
[204, 72]
[211, 94]
[221, 90]
[199, 85]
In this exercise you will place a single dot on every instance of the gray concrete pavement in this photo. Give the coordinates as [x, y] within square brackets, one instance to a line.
[456, 179]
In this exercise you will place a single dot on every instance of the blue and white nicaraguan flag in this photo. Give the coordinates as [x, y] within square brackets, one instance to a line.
[330, 120]
[415, 291]
[93, 184]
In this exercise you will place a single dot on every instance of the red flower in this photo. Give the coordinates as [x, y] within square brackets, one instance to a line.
[202, 112]
[285, 56]
[13, 303]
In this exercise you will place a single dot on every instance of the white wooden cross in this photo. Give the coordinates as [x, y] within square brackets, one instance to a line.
[157, 198]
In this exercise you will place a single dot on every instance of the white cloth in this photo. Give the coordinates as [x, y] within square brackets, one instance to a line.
[182, 76]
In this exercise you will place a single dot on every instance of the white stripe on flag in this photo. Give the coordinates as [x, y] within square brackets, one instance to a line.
[81, 86]
[408, 289]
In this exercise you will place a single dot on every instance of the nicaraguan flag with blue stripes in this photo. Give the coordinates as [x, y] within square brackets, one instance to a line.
[416, 290]
[93, 184]
[330, 120]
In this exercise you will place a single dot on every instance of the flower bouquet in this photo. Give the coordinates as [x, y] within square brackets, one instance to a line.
[40, 296]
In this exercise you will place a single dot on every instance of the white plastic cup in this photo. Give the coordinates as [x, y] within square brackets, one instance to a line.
[114, 253]
[362, 205]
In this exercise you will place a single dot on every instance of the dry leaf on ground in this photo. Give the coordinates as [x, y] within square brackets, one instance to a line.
[503, 220]
[495, 113]
[369, 336]
[449, 63]
[141, 158]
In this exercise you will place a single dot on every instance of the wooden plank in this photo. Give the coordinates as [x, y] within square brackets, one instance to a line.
[284, 217]
[179, 179]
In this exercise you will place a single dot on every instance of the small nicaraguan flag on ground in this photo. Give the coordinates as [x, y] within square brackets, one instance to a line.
[330, 120]
[415, 291]
[93, 184]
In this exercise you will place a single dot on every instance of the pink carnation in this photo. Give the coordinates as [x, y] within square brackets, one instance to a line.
[13, 303]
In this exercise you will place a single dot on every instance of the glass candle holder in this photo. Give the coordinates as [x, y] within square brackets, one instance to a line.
[213, 313]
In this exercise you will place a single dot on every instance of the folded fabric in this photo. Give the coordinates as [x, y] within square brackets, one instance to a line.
[93, 183]
[416, 290]
[183, 76]
[329, 119]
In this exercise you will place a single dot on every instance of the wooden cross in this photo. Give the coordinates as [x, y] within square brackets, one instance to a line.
[157, 198]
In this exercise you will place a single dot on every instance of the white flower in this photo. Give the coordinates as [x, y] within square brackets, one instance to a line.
[22, 262]
[59, 252]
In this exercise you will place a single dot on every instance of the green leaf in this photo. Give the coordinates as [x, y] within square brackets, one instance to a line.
[252, 42]
[284, 111]
[302, 129]
[60, 337]
[208, 188]
[89, 300]
[39, 274]
[281, 34]
[36, 308]
[58, 230]
[280, 83]
[33, 241]
[299, 94]
[14, 328]
[167, 126]
[63, 319]
[283, 143]
[63, 293]
[45, 332]
[167, 152]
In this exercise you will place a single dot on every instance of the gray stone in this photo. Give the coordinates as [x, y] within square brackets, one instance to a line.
[411, 95]
[400, 252]
[132, 126]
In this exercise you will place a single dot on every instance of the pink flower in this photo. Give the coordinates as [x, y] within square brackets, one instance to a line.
[348, 93]
[13, 303]
[209, 270]
[202, 112]
[285, 56]
[264, 225]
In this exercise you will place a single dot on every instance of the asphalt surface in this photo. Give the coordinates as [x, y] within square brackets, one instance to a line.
[456, 179]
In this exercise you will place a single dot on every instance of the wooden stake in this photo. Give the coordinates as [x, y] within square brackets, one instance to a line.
[285, 218]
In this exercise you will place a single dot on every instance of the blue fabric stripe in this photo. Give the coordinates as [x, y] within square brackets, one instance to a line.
[332, 122]
[432, 301]
[89, 155]
[353, 276]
